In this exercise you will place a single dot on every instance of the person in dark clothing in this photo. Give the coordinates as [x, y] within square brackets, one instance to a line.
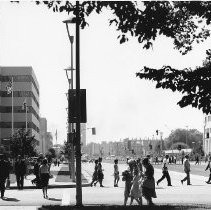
[197, 160]
[100, 174]
[148, 184]
[127, 177]
[94, 176]
[165, 172]
[209, 167]
[20, 171]
[186, 170]
[36, 172]
[4, 174]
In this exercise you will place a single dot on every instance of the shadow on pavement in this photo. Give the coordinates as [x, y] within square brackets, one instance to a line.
[54, 199]
[115, 207]
[11, 199]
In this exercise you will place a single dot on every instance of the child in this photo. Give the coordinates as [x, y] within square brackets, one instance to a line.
[116, 173]
[127, 177]
[135, 192]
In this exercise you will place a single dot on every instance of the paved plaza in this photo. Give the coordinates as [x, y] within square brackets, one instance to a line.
[64, 193]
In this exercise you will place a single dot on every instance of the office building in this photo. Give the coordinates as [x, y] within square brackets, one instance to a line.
[25, 92]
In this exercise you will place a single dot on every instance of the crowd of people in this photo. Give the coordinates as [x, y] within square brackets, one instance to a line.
[139, 177]
[19, 168]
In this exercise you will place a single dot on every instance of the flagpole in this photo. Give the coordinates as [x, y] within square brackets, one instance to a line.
[26, 117]
[12, 109]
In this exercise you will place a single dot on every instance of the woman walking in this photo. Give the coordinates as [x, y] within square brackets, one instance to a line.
[135, 192]
[44, 176]
[148, 184]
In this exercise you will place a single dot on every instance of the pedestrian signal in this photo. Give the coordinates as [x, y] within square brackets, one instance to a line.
[157, 132]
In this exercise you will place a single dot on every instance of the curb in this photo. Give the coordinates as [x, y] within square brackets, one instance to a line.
[50, 186]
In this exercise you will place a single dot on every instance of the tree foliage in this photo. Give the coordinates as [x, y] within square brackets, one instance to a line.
[186, 22]
[193, 138]
[23, 144]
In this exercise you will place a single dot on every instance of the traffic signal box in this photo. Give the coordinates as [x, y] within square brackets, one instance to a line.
[72, 106]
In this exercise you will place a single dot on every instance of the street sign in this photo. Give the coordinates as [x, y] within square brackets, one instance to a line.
[72, 118]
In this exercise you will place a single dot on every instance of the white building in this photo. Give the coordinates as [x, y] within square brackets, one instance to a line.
[207, 134]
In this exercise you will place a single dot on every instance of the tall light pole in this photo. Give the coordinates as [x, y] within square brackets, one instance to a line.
[70, 125]
[76, 20]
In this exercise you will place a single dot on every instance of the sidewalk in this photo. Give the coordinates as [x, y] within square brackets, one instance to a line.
[61, 179]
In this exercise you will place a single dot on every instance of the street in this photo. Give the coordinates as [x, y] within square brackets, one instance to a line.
[198, 193]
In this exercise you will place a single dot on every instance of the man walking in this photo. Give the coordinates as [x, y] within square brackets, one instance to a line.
[209, 167]
[186, 170]
[4, 174]
[20, 171]
[165, 172]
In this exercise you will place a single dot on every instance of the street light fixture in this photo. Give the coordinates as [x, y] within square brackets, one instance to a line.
[76, 20]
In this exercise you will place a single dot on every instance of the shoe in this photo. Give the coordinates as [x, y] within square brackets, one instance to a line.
[169, 185]
[182, 181]
[189, 184]
[46, 196]
[208, 182]
[101, 186]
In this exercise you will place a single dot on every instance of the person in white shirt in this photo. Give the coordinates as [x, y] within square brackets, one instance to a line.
[165, 172]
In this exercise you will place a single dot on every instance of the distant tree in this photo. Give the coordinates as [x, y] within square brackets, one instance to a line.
[185, 22]
[194, 137]
[67, 149]
[158, 148]
[22, 143]
[52, 152]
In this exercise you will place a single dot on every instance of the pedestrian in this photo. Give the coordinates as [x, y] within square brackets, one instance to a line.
[197, 160]
[44, 177]
[94, 176]
[139, 165]
[58, 162]
[127, 176]
[20, 171]
[135, 192]
[100, 174]
[148, 184]
[116, 173]
[4, 174]
[156, 160]
[55, 162]
[209, 167]
[165, 172]
[36, 172]
[186, 170]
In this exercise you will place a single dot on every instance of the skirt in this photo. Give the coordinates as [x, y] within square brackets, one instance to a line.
[44, 179]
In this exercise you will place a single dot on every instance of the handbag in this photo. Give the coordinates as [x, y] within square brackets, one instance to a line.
[8, 183]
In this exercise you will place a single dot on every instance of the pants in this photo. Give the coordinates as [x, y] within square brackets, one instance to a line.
[167, 176]
[20, 180]
[209, 178]
[2, 186]
[187, 178]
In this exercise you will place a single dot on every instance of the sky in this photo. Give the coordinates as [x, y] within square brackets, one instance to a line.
[119, 105]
